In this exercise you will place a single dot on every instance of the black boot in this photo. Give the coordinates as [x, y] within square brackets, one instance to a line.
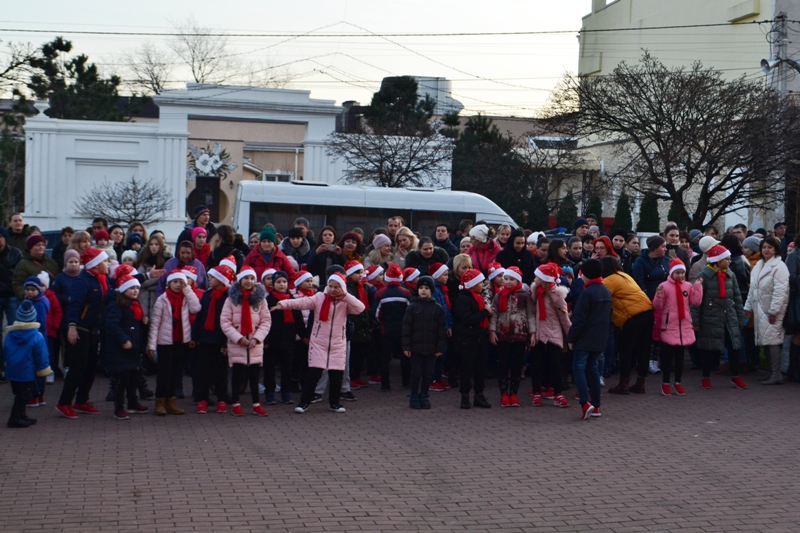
[141, 384]
[481, 401]
[17, 419]
[112, 387]
[465, 401]
[793, 372]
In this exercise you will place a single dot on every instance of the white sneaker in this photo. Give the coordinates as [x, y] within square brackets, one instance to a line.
[602, 382]
[261, 388]
[50, 379]
[654, 367]
[277, 388]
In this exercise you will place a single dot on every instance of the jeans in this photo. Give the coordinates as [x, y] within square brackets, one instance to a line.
[421, 370]
[580, 363]
[8, 305]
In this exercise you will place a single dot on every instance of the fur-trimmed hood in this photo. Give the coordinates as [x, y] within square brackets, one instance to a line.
[258, 295]
[19, 326]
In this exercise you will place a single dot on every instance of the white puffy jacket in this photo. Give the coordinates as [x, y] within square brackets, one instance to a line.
[769, 295]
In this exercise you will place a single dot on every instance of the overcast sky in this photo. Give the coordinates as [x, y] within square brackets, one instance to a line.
[501, 75]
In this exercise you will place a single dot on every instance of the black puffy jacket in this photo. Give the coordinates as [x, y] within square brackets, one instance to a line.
[424, 329]
[467, 317]
[119, 327]
[9, 258]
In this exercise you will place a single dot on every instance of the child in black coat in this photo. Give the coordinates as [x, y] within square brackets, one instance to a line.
[424, 339]
[471, 329]
[279, 344]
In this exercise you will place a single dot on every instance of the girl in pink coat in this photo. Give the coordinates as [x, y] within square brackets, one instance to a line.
[672, 301]
[327, 349]
[245, 320]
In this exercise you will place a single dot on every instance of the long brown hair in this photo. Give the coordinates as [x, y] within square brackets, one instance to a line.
[145, 254]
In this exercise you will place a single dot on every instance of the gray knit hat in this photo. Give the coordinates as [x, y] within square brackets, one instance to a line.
[694, 235]
[752, 243]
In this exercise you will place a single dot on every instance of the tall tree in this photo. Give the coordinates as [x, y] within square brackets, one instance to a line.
[648, 214]
[204, 51]
[622, 217]
[596, 207]
[567, 212]
[674, 215]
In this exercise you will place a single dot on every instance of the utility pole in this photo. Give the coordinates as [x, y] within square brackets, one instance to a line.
[780, 52]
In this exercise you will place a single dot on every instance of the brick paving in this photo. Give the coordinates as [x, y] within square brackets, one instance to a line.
[712, 461]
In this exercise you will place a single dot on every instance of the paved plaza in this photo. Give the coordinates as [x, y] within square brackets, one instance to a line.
[721, 460]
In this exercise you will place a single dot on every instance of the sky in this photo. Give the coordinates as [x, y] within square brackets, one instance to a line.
[493, 74]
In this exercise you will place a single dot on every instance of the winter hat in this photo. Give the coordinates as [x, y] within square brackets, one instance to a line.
[266, 274]
[410, 274]
[101, 235]
[268, 234]
[592, 269]
[127, 253]
[654, 241]
[126, 282]
[301, 277]
[676, 264]
[44, 277]
[123, 270]
[177, 274]
[92, 257]
[230, 262]
[706, 243]
[352, 235]
[534, 237]
[480, 233]
[338, 278]
[197, 231]
[280, 274]
[4, 233]
[591, 215]
[134, 238]
[70, 254]
[752, 243]
[223, 274]
[566, 270]
[26, 312]
[393, 274]
[374, 271]
[437, 270]
[621, 232]
[465, 240]
[33, 240]
[495, 269]
[778, 224]
[426, 281]
[695, 234]
[514, 272]
[380, 240]
[471, 278]
[247, 271]
[549, 272]
[200, 209]
[33, 281]
[718, 253]
[190, 272]
[352, 266]
[594, 228]
[295, 232]
[580, 222]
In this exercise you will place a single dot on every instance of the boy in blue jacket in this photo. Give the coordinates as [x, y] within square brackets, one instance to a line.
[588, 335]
[34, 292]
[26, 360]
[390, 308]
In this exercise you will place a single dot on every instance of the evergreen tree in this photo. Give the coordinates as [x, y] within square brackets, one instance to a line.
[596, 207]
[538, 214]
[623, 218]
[396, 109]
[674, 215]
[648, 215]
[567, 212]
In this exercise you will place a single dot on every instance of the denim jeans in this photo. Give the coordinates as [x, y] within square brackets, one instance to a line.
[580, 362]
[8, 305]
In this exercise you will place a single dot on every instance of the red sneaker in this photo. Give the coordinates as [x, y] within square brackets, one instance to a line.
[86, 408]
[33, 403]
[549, 393]
[560, 401]
[374, 380]
[530, 392]
[577, 395]
[596, 413]
[537, 400]
[362, 383]
[41, 401]
[706, 383]
[666, 390]
[202, 407]
[122, 415]
[586, 411]
[237, 410]
[679, 389]
[222, 407]
[445, 384]
[354, 385]
[437, 387]
[738, 383]
[504, 400]
[66, 411]
[258, 410]
[513, 400]
[139, 409]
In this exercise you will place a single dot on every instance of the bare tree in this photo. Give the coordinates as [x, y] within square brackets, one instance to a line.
[126, 202]
[15, 66]
[150, 68]
[205, 53]
[686, 135]
[266, 73]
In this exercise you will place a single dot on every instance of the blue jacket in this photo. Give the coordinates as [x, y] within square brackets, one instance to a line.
[85, 308]
[650, 272]
[26, 352]
[390, 308]
[199, 331]
[438, 295]
[62, 286]
[42, 306]
[120, 327]
[591, 317]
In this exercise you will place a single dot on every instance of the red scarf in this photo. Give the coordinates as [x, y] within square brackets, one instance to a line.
[136, 307]
[325, 311]
[721, 277]
[176, 302]
[481, 306]
[593, 281]
[216, 296]
[362, 295]
[502, 304]
[446, 293]
[540, 290]
[306, 292]
[102, 279]
[679, 295]
[246, 326]
[288, 316]
[378, 285]
[410, 286]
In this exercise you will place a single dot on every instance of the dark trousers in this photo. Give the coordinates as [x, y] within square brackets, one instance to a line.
[188, 363]
[509, 366]
[275, 355]
[586, 373]
[635, 342]
[753, 352]
[710, 358]
[374, 358]
[672, 360]
[452, 361]
[212, 370]
[170, 365]
[334, 391]
[359, 351]
[126, 387]
[300, 363]
[54, 347]
[240, 373]
[474, 351]
[82, 369]
[421, 372]
[24, 391]
[393, 347]
[546, 367]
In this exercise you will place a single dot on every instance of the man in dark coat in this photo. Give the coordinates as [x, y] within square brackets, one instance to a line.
[202, 219]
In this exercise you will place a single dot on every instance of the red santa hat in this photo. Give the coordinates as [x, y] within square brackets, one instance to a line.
[177, 274]
[410, 274]
[514, 272]
[393, 274]
[495, 269]
[472, 277]
[353, 266]
[230, 262]
[247, 271]
[437, 270]
[126, 282]
[92, 257]
[267, 273]
[338, 278]
[123, 270]
[676, 264]
[191, 272]
[718, 253]
[548, 273]
[301, 277]
[223, 274]
[373, 272]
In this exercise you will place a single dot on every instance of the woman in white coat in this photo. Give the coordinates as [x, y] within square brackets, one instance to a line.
[767, 302]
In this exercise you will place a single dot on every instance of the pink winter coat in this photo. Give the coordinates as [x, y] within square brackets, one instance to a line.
[231, 320]
[555, 327]
[484, 255]
[674, 331]
[327, 347]
[161, 319]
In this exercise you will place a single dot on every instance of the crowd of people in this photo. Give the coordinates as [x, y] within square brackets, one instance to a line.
[458, 307]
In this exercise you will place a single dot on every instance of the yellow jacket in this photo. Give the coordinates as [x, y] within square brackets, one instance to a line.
[627, 299]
